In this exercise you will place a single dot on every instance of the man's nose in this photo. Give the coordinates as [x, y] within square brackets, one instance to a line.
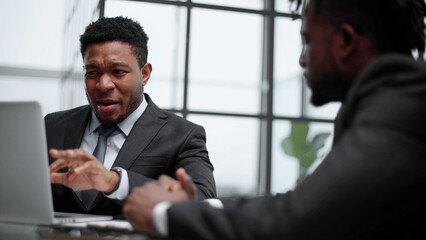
[105, 83]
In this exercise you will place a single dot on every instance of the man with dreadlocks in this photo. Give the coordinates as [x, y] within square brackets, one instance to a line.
[132, 140]
[372, 183]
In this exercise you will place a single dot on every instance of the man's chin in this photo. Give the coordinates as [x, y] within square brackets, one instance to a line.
[110, 121]
[318, 100]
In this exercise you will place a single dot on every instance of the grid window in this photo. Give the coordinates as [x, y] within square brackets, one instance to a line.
[214, 65]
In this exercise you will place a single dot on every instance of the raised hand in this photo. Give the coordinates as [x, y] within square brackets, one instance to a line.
[84, 171]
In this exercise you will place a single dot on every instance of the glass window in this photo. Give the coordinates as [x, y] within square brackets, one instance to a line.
[287, 6]
[31, 34]
[165, 26]
[287, 72]
[225, 61]
[252, 4]
[233, 144]
[43, 90]
[289, 153]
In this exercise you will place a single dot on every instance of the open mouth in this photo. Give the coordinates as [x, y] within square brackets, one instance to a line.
[106, 105]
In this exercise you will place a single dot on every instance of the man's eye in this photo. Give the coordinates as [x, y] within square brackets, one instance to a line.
[90, 73]
[119, 72]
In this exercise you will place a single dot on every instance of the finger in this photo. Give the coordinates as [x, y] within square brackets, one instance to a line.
[164, 180]
[60, 178]
[180, 175]
[71, 154]
[169, 183]
[65, 158]
[57, 165]
[81, 154]
[186, 182]
[80, 168]
[53, 153]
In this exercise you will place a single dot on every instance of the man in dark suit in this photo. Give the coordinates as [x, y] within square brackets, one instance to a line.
[132, 140]
[372, 183]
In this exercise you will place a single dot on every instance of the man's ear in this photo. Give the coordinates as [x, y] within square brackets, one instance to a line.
[146, 73]
[345, 42]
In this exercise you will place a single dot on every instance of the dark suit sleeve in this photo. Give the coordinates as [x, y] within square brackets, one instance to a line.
[370, 186]
[193, 156]
[353, 194]
[178, 143]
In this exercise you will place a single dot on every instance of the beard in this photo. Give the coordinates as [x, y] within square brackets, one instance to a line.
[328, 87]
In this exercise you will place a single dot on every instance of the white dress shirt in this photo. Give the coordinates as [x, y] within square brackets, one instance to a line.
[114, 144]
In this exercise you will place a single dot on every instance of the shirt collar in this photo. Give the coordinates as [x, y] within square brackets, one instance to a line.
[127, 124]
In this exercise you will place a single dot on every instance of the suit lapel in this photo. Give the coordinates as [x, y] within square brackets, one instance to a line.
[142, 133]
[74, 132]
[73, 136]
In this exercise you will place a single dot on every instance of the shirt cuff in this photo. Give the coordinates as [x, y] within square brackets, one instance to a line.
[160, 218]
[214, 202]
[160, 214]
[123, 187]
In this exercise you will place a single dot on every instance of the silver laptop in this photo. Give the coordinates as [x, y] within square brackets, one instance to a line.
[24, 169]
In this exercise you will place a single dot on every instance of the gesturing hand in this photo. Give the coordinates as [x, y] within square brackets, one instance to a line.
[184, 183]
[84, 171]
[140, 204]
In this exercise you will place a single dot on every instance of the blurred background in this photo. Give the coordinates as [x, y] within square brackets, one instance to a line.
[230, 66]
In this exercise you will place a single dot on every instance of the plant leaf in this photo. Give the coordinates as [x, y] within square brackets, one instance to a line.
[319, 141]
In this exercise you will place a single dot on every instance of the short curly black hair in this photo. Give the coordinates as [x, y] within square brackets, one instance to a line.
[117, 29]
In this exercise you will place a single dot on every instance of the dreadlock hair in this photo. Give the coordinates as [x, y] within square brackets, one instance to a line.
[117, 29]
[394, 26]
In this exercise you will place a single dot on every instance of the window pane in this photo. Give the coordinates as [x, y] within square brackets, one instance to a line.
[286, 168]
[287, 6]
[252, 4]
[225, 61]
[287, 72]
[165, 26]
[233, 145]
[31, 33]
[43, 90]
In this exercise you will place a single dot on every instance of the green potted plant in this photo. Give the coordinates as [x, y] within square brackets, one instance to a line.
[299, 146]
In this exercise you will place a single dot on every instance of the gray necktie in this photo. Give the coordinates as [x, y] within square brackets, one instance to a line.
[104, 132]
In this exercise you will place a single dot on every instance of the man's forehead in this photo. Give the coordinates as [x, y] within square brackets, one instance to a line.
[307, 16]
